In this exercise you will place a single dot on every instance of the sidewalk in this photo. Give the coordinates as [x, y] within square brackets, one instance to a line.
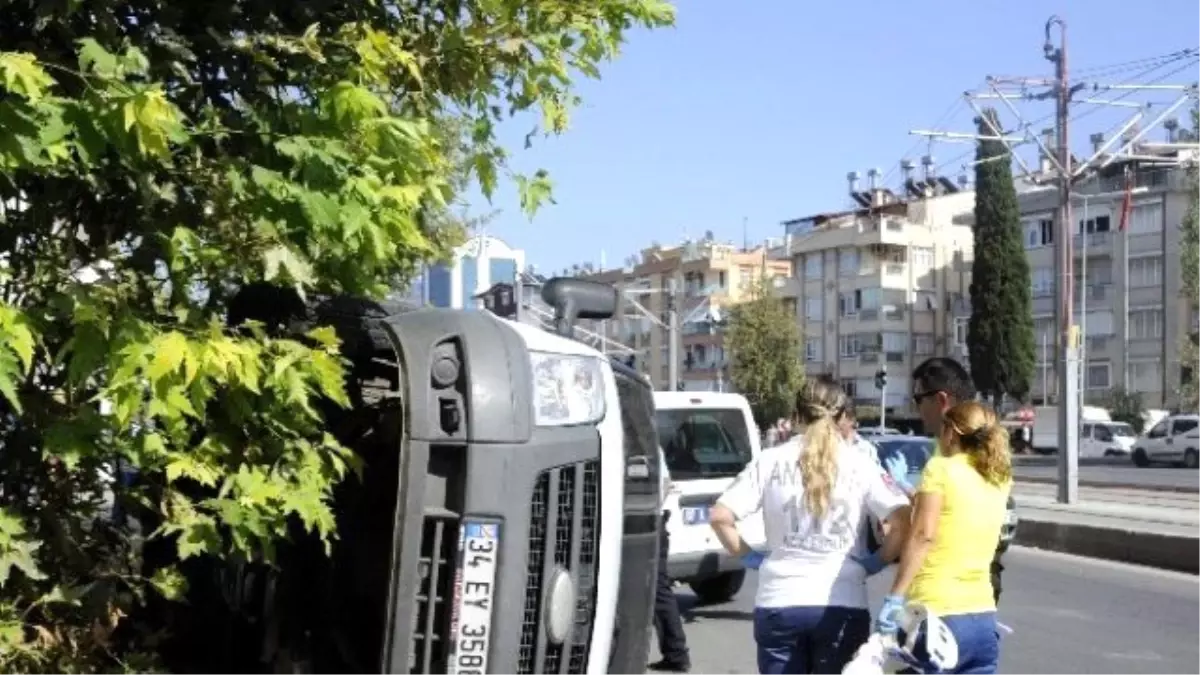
[1135, 526]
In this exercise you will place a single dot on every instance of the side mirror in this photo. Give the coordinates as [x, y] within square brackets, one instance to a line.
[574, 299]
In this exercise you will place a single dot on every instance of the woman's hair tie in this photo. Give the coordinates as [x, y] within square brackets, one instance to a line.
[976, 438]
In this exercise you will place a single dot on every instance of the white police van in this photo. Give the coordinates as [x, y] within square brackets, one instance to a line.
[707, 439]
[495, 528]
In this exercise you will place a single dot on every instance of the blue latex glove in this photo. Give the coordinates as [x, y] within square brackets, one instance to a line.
[872, 563]
[897, 468]
[887, 622]
[753, 560]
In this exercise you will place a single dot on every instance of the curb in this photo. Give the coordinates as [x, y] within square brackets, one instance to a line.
[1179, 553]
[1114, 485]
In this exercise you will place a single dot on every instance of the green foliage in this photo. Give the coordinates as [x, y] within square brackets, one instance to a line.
[155, 158]
[1127, 406]
[1190, 261]
[1000, 336]
[764, 344]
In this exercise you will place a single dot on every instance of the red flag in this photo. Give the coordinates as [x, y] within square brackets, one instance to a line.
[1127, 202]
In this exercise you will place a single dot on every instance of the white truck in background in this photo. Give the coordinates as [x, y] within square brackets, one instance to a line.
[1099, 435]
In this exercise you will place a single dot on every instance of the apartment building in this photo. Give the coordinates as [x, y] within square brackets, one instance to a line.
[709, 277]
[885, 284]
[1127, 284]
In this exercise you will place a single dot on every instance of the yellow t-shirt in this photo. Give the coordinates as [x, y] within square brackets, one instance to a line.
[955, 577]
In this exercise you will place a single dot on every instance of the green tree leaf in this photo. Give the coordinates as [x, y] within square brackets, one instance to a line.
[195, 154]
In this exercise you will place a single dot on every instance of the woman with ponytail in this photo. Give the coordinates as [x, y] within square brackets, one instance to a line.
[815, 492]
[958, 514]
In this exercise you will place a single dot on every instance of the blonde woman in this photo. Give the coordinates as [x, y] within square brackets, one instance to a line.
[815, 492]
[959, 511]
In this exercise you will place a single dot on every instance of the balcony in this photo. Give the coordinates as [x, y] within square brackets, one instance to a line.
[868, 357]
[1093, 292]
[1097, 242]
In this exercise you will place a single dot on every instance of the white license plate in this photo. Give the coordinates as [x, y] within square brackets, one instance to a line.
[474, 589]
[695, 515]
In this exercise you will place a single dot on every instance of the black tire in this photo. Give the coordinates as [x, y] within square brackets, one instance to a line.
[720, 588]
[1191, 458]
[1140, 459]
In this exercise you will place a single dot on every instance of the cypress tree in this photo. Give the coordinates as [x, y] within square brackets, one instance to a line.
[1000, 337]
[1190, 257]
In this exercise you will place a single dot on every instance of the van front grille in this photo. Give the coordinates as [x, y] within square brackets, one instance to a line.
[563, 533]
[432, 611]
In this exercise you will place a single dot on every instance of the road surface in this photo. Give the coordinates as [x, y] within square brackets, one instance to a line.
[1068, 614]
[1111, 472]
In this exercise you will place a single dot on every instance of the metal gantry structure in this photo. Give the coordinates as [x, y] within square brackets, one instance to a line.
[1065, 175]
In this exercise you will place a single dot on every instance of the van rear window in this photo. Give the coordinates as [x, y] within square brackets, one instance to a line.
[703, 442]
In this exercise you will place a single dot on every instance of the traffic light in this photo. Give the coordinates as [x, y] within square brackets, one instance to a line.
[881, 378]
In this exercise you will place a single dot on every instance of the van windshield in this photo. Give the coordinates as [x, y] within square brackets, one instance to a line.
[703, 442]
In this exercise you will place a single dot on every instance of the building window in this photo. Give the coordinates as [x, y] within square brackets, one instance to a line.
[960, 331]
[745, 277]
[922, 258]
[848, 387]
[922, 344]
[814, 308]
[1145, 376]
[722, 279]
[1145, 324]
[895, 343]
[849, 346]
[502, 271]
[924, 301]
[1039, 233]
[812, 349]
[813, 269]
[1094, 225]
[1146, 218]
[869, 298]
[848, 303]
[1099, 375]
[1042, 280]
[1146, 271]
[1043, 329]
[848, 262]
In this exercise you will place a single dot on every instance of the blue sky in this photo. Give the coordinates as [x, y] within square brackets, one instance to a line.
[759, 113]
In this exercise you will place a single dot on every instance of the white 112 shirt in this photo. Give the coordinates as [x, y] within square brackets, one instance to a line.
[808, 559]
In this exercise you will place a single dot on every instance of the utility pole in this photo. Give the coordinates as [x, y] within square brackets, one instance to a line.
[1061, 177]
[1068, 348]
[672, 337]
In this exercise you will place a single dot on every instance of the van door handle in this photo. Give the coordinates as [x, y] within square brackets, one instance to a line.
[637, 467]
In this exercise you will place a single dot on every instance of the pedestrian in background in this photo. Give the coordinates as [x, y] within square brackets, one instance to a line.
[957, 518]
[815, 493]
[668, 624]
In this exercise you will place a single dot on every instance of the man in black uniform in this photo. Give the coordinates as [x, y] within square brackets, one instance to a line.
[939, 384]
[672, 643]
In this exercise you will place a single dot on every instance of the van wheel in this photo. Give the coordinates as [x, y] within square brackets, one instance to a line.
[1191, 459]
[1140, 459]
[720, 588]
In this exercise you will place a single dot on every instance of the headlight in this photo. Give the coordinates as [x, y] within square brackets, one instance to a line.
[567, 389]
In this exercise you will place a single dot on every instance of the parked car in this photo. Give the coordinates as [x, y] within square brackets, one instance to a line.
[1175, 440]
